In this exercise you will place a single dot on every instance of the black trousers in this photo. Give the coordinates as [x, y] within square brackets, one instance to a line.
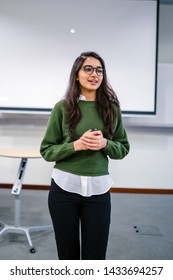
[81, 224]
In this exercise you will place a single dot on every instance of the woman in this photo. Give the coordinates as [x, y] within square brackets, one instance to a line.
[84, 129]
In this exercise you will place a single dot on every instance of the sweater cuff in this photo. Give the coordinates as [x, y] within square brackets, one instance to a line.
[107, 146]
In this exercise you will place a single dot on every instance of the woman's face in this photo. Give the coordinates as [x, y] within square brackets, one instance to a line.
[90, 79]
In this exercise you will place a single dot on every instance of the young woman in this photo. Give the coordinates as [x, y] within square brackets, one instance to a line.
[84, 129]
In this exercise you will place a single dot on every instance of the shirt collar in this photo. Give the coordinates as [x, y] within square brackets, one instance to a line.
[82, 97]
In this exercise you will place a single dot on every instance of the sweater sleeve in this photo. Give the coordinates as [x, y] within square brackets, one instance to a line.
[118, 147]
[52, 148]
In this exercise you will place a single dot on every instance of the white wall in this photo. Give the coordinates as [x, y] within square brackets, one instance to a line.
[166, 34]
[149, 164]
[23, 135]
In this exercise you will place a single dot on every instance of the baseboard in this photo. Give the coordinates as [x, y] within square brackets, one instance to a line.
[27, 187]
[142, 191]
[113, 190]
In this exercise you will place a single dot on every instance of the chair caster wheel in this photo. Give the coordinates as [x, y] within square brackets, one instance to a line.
[32, 251]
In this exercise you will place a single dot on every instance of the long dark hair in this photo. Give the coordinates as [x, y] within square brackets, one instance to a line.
[105, 96]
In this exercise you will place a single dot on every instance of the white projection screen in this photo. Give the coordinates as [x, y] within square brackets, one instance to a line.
[40, 39]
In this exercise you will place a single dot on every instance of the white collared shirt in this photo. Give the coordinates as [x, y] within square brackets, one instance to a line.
[83, 185]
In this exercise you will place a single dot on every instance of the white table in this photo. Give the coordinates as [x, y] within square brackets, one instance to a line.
[24, 155]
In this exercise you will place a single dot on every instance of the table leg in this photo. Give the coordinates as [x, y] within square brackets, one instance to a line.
[16, 228]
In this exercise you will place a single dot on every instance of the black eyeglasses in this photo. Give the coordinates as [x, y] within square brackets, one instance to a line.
[89, 70]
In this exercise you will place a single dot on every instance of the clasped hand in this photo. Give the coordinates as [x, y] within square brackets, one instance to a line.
[91, 140]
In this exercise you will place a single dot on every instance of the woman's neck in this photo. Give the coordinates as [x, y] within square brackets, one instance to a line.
[89, 95]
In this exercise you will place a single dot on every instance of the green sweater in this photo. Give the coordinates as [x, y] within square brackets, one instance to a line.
[57, 146]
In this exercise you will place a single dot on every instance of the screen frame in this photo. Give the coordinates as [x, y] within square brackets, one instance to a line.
[40, 111]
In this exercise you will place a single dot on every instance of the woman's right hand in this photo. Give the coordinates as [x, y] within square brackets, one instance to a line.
[90, 140]
[79, 146]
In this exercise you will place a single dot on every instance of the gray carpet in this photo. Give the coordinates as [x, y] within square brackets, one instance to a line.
[141, 227]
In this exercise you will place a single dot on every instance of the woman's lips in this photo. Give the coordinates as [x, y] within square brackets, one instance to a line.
[93, 81]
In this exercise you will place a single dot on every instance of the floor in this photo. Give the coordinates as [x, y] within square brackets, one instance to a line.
[141, 227]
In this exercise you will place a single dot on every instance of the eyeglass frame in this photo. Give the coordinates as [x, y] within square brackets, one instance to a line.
[94, 68]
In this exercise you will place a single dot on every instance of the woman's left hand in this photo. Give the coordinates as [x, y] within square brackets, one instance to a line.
[93, 140]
